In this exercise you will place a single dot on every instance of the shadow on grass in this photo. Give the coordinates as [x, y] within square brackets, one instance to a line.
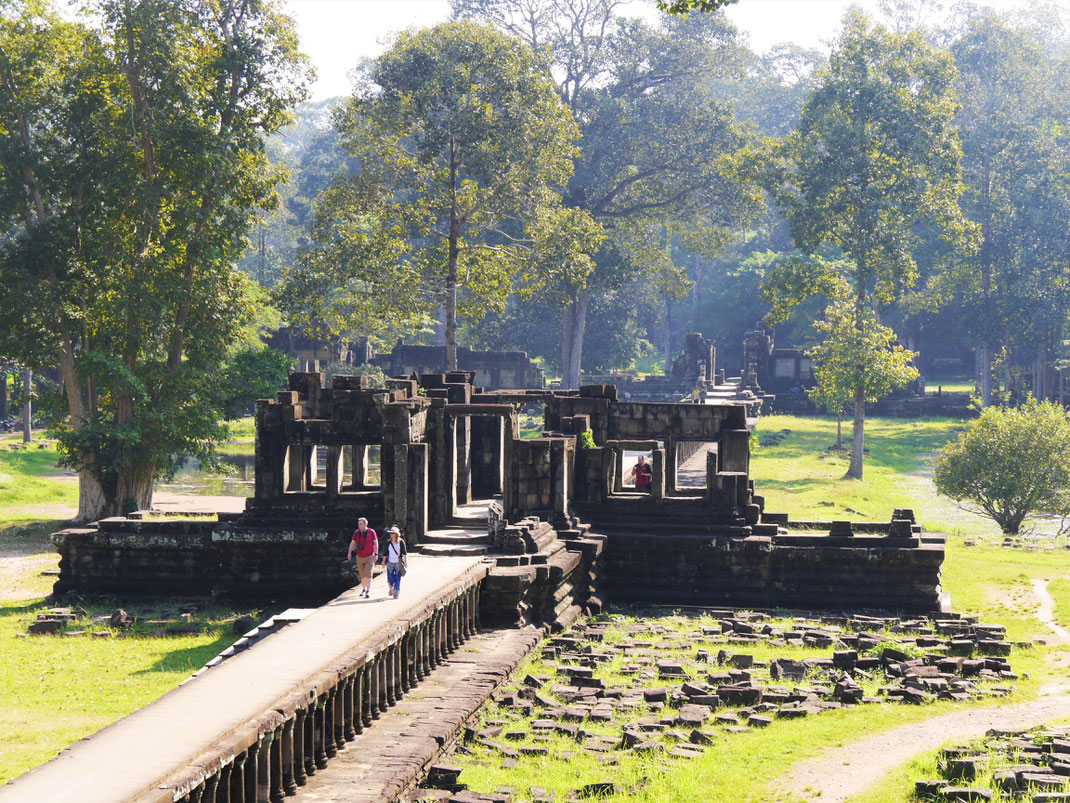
[29, 537]
[22, 608]
[189, 659]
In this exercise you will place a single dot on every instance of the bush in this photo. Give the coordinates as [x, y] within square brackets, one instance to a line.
[1010, 463]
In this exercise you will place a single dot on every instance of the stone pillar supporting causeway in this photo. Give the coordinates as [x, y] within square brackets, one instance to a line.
[263, 769]
[339, 715]
[319, 732]
[349, 729]
[300, 747]
[373, 689]
[330, 749]
[275, 784]
[383, 694]
[250, 773]
[237, 779]
[289, 765]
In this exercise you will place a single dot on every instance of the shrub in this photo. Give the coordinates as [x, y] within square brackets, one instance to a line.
[1010, 463]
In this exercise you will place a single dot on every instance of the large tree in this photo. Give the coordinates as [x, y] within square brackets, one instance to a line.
[463, 145]
[657, 153]
[875, 157]
[132, 164]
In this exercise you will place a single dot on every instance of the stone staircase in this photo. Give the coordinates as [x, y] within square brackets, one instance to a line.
[467, 534]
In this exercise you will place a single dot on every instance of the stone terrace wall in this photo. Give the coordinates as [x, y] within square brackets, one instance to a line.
[197, 558]
[860, 572]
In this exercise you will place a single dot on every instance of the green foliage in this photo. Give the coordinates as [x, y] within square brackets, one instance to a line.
[134, 166]
[586, 439]
[462, 143]
[850, 357]
[1010, 463]
[252, 374]
[689, 6]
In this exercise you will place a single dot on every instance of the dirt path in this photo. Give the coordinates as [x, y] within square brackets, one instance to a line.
[837, 775]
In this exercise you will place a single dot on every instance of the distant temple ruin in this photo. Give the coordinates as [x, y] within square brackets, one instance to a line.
[561, 518]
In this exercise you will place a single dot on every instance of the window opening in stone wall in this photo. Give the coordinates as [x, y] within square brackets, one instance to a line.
[691, 465]
[532, 420]
[347, 468]
[373, 467]
[317, 469]
[628, 463]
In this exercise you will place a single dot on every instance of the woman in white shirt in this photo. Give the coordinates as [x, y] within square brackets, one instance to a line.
[396, 560]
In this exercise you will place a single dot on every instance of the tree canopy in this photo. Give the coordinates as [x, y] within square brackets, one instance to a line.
[133, 163]
[1009, 464]
[463, 146]
[875, 157]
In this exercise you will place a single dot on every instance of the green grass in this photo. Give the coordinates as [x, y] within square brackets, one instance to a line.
[29, 476]
[57, 689]
[949, 386]
[1059, 589]
[242, 430]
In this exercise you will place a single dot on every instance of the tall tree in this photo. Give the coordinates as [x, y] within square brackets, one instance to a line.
[656, 156]
[463, 145]
[848, 357]
[132, 164]
[876, 154]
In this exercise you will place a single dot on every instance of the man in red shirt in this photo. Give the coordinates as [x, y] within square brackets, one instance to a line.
[642, 474]
[366, 544]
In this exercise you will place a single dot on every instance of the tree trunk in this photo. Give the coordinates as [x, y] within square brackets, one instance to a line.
[667, 342]
[451, 309]
[854, 470]
[27, 405]
[575, 323]
[3, 395]
[985, 360]
[839, 429]
[96, 501]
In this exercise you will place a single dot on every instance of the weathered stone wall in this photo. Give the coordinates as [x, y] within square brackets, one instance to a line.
[491, 369]
[768, 572]
[196, 558]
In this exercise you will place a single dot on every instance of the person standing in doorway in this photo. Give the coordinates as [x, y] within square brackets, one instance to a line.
[365, 543]
[643, 474]
[397, 557]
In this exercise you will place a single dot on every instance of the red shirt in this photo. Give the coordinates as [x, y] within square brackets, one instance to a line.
[367, 543]
[642, 475]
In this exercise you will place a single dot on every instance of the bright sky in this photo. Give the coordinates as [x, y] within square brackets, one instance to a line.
[336, 34]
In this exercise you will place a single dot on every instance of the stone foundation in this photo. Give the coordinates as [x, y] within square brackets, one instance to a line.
[814, 571]
[159, 558]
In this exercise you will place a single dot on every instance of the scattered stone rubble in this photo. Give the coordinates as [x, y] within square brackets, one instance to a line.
[1032, 765]
[647, 688]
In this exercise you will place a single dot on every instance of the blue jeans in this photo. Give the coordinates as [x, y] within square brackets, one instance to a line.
[393, 576]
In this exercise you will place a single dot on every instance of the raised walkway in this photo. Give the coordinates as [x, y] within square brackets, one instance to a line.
[148, 754]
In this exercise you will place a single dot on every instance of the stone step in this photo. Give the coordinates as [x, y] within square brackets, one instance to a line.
[470, 550]
[457, 537]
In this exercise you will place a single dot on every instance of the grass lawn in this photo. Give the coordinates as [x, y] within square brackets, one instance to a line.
[55, 690]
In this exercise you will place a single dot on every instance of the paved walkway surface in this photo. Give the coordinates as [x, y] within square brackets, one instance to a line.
[692, 472]
[408, 737]
[139, 750]
[837, 775]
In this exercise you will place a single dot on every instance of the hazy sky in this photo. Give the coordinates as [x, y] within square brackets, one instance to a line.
[337, 33]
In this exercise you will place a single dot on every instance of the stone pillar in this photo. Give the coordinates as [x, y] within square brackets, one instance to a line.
[300, 747]
[297, 460]
[310, 739]
[421, 650]
[349, 731]
[365, 696]
[416, 522]
[339, 715]
[237, 779]
[360, 467]
[330, 749]
[462, 430]
[390, 658]
[250, 774]
[657, 477]
[374, 687]
[223, 783]
[384, 678]
[263, 769]
[335, 470]
[289, 764]
[319, 733]
[276, 793]
[735, 450]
